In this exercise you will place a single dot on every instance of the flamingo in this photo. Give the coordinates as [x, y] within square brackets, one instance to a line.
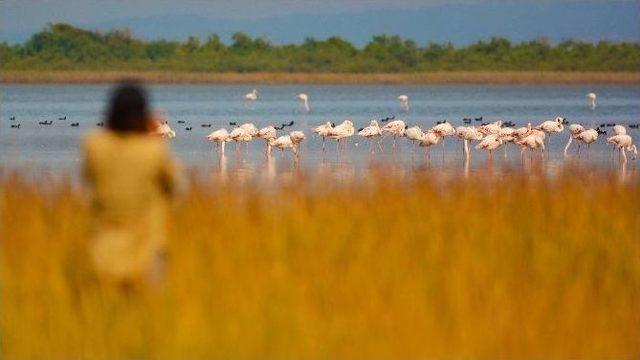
[297, 137]
[414, 134]
[490, 143]
[619, 130]
[323, 131]
[574, 131]
[552, 126]
[624, 142]
[591, 98]
[370, 132]
[304, 101]
[466, 134]
[342, 131]
[250, 129]
[220, 137]
[240, 134]
[252, 96]
[267, 133]
[507, 135]
[522, 132]
[587, 137]
[535, 140]
[429, 138]
[492, 128]
[395, 128]
[442, 130]
[284, 142]
[165, 130]
[404, 102]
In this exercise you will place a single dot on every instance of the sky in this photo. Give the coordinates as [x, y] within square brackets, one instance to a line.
[286, 21]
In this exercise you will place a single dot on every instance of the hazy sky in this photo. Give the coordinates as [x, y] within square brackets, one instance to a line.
[290, 21]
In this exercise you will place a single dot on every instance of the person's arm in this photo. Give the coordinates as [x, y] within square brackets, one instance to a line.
[87, 163]
[171, 176]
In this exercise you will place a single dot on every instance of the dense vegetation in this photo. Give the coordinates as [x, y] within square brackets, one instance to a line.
[413, 268]
[65, 47]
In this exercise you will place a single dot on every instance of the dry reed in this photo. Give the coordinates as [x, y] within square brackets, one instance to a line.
[388, 269]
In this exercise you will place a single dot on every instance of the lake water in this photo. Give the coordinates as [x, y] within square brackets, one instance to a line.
[36, 149]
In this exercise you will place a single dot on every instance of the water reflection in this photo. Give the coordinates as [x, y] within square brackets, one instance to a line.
[284, 169]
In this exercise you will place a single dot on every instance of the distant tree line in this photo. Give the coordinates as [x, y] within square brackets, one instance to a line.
[65, 47]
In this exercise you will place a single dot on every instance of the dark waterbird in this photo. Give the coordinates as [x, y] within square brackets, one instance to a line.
[180, 121]
[508, 124]
[634, 126]
[441, 122]
[100, 124]
[233, 123]
[381, 120]
[466, 120]
[611, 124]
[15, 126]
[63, 118]
[360, 129]
[478, 118]
[565, 121]
[13, 118]
[282, 126]
[75, 124]
[45, 122]
[600, 131]
[291, 123]
[205, 125]
[188, 128]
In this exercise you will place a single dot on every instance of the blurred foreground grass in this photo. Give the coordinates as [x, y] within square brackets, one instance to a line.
[523, 268]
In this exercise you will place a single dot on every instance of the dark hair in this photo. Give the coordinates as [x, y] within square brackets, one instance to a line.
[128, 108]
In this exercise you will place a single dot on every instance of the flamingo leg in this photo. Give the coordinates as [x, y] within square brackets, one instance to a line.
[588, 151]
[465, 145]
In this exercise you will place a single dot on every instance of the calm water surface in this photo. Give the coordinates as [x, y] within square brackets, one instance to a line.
[36, 150]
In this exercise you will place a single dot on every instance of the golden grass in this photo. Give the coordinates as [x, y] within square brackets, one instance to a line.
[387, 269]
[438, 77]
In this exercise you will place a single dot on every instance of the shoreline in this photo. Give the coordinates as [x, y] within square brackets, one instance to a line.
[422, 78]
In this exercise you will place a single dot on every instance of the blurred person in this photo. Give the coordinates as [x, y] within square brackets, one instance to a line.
[133, 177]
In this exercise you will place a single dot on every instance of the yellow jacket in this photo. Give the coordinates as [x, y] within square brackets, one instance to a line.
[133, 177]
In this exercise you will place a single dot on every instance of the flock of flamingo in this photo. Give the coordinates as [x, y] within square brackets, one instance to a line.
[489, 136]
